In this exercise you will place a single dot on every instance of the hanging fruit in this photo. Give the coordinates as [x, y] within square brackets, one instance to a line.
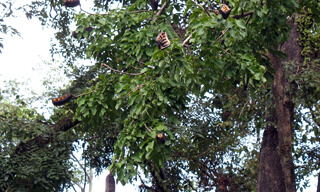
[110, 183]
[75, 34]
[154, 4]
[62, 100]
[163, 41]
[161, 138]
[225, 11]
[71, 3]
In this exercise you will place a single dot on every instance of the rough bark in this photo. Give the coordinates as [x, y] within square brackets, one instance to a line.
[270, 175]
[284, 107]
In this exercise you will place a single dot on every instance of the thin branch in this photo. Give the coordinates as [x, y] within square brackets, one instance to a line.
[242, 15]
[224, 52]
[136, 61]
[147, 128]
[74, 157]
[248, 19]
[223, 32]
[187, 39]
[86, 11]
[117, 162]
[140, 11]
[203, 8]
[243, 108]
[161, 10]
[115, 70]
[86, 93]
[78, 186]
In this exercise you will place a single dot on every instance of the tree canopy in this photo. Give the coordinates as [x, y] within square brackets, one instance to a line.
[178, 97]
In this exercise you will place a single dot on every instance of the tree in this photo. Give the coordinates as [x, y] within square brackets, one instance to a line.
[211, 92]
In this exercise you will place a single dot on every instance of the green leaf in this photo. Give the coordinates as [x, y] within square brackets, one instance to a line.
[240, 23]
[161, 127]
[153, 134]
[150, 146]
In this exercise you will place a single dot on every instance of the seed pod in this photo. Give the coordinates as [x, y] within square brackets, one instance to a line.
[161, 137]
[225, 11]
[154, 4]
[163, 41]
[62, 100]
[71, 3]
[110, 183]
[75, 34]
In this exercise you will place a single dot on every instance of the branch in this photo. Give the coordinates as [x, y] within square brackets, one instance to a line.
[223, 32]
[161, 10]
[147, 128]
[203, 8]
[242, 15]
[115, 70]
[187, 39]
[84, 170]
[42, 140]
[86, 93]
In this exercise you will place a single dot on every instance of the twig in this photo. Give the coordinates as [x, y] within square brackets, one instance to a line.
[140, 11]
[86, 11]
[117, 162]
[136, 61]
[115, 70]
[223, 32]
[224, 52]
[161, 10]
[86, 93]
[203, 8]
[243, 108]
[242, 15]
[249, 19]
[187, 39]
[74, 157]
[147, 128]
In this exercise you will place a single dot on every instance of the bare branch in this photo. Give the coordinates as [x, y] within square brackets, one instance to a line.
[115, 70]
[203, 9]
[186, 40]
[242, 15]
[223, 32]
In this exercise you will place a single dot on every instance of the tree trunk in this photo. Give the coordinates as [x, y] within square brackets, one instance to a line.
[284, 107]
[270, 175]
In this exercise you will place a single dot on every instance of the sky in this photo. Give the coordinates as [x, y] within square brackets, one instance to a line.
[23, 58]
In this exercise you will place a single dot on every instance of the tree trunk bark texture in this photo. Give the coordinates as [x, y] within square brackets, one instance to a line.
[284, 111]
[270, 175]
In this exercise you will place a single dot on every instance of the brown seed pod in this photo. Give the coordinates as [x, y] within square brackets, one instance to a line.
[163, 41]
[161, 137]
[71, 3]
[75, 34]
[62, 100]
[154, 4]
[225, 11]
[110, 183]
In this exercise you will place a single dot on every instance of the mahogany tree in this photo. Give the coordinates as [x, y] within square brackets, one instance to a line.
[210, 78]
